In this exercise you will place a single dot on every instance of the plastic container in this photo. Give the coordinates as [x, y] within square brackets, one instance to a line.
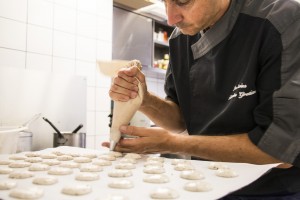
[24, 141]
[8, 139]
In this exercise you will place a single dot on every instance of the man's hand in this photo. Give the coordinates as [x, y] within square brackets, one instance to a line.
[149, 140]
[125, 85]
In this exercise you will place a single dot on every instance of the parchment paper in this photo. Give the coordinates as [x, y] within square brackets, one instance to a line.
[141, 190]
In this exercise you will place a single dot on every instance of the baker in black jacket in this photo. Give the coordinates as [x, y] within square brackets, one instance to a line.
[233, 83]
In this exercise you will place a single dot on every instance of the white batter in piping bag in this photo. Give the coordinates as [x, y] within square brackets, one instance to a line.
[123, 111]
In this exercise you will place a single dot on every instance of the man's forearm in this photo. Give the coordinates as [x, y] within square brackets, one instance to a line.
[232, 148]
[163, 113]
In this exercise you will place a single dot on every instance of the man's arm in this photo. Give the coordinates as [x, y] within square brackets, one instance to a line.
[163, 113]
[231, 148]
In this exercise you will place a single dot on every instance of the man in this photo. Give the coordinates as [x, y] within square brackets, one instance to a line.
[233, 83]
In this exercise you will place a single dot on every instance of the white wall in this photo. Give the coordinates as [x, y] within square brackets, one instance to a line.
[62, 36]
[65, 36]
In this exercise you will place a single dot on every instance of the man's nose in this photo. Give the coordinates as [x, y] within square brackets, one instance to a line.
[173, 14]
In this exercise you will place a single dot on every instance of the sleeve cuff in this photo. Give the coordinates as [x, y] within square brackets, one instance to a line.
[255, 135]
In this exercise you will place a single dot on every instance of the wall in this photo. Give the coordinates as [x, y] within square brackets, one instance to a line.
[56, 96]
[66, 37]
[62, 36]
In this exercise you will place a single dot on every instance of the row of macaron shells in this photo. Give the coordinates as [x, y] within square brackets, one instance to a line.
[152, 166]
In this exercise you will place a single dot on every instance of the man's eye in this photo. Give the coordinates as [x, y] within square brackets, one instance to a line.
[178, 2]
[182, 2]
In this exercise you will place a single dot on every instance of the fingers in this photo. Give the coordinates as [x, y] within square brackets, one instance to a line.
[136, 131]
[118, 147]
[125, 85]
[122, 91]
[123, 147]
[145, 140]
[105, 144]
[128, 75]
[133, 72]
[131, 145]
[137, 145]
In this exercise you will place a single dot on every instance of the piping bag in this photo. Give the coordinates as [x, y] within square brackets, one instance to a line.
[123, 111]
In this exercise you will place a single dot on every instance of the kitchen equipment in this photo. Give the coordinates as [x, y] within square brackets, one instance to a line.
[70, 139]
[78, 128]
[24, 141]
[57, 131]
[9, 137]
[23, 127]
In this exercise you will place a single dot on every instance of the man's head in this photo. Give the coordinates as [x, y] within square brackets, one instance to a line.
[192, 16]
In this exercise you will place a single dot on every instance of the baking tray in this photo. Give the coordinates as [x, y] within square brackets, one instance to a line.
[247, 173]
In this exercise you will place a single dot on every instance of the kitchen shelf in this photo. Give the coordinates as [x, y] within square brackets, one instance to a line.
[148, 43]
[161, 33]
[154, 72]
[161, 43]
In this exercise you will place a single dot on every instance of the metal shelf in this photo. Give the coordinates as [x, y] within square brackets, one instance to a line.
[154, 72]
[161, 43]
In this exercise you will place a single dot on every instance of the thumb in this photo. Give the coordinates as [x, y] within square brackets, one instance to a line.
[131, 71]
